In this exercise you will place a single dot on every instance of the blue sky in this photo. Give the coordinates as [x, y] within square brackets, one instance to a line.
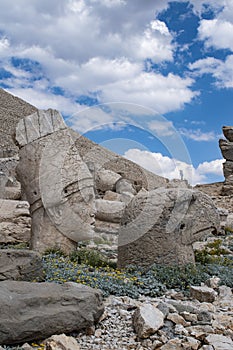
[151, 80]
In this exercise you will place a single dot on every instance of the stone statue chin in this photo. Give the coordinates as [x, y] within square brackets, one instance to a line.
[56, 182]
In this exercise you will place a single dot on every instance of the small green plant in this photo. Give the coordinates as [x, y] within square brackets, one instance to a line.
[91, 257]
[228, 230]
[20, 245]
[55, 251]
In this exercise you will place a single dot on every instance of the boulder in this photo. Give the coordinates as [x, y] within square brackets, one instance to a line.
[158, 226]
[34, 311]
[229, 221]
[147, 319]
[113, 196]
[15, 221]
[203, 293]
[228, 132]
[105, 180]
[20, 265]
[125, 186]
[61, 342]
[220, 342]
[110, 211]
[13, 193]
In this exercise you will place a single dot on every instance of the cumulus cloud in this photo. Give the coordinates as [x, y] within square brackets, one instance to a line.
[171, 168]
[216, 33]
[222, 71]
[93, 48]
[162, 93]
[98, 48]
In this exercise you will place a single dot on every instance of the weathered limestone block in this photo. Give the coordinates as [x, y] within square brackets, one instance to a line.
[159, 226]
[13, 193]
[111, 211]
[9, 187]
[220, 342]
[226, 149]
[228, 168]
[147, 319]
[15, 221]
[8, 166]
[228, 132]
[20, 265]
[113, 196]
[203, 293]
[32, 311]
[105, 180]
[56, 181]
[125, 186]
[61, 342]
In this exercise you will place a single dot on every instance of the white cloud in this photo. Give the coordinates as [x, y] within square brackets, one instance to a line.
[94, 47]
[162, 93]
[198, 134]
[170, 168]
[218, 32]
[222, 71]
[213, 167]
[162, 128]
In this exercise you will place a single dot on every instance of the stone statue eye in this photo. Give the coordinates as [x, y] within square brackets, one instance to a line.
[71, 188]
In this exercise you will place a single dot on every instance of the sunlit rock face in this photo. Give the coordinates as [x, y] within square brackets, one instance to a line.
[160, 226]
[226, 147]
[56, 182]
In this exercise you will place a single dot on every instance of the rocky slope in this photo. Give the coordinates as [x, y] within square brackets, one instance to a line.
[12, 109]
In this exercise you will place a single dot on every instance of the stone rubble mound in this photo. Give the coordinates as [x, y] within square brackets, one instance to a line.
[172, 322]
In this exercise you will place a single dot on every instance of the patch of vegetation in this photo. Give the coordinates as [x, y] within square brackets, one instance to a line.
[228, 230]
[132, 281]
[214, 253]
[21, 245]
[91, 257]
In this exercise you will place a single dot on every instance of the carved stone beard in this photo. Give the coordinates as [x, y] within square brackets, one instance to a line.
[67, 187]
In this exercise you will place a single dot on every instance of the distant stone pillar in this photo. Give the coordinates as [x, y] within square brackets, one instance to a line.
[226, 147]
[56, 182]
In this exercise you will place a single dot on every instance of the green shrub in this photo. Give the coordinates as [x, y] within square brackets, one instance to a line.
[91, 257]
[21, 245]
